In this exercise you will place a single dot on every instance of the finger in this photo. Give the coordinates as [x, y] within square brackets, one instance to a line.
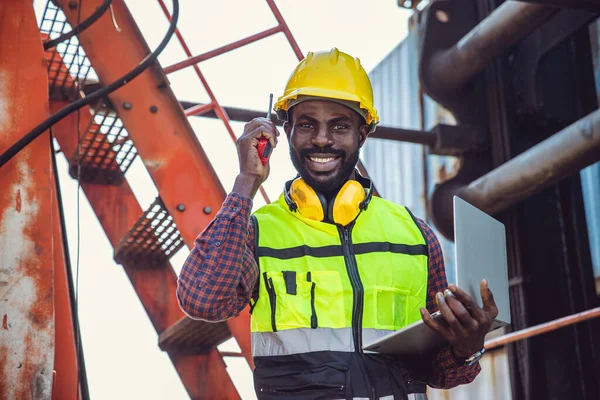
[468, 302]
[460, 311]
[263, 131]
[451, 319]
[487, 297]
[434, 325]
[261, 122]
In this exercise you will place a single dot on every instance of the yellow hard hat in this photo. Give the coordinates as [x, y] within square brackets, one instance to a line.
[332, 75]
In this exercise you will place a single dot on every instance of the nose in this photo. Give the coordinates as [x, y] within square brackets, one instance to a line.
[322, 137]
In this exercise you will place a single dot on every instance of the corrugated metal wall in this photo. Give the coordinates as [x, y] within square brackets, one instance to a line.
[406, 174]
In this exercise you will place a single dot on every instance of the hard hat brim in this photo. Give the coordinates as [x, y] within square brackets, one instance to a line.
[283, 102]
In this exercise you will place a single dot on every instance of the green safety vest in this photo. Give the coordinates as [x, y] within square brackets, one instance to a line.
[323, 287]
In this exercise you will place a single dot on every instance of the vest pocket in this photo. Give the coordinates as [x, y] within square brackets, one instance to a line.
[329, 299]
[390, 306]
[288, 310]
[322, 382]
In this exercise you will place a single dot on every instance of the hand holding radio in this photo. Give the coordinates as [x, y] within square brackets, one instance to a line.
[254, 148]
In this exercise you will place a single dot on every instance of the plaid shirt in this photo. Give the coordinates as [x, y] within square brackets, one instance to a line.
[219, 277]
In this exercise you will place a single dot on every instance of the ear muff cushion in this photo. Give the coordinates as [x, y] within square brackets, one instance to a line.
[346, 206]
[308, 202]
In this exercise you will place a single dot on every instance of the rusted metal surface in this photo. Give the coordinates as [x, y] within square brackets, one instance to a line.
[65, 60]
[542, 328]
[164, 139]
[27, 214]
[65, 385]
[448, 70]
[151, 241]
[105, 152]
[118, 210]
[563, 154]
[189, 336]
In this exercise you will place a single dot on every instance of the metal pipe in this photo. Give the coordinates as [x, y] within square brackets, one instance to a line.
[230, 354]
[590, 5]
[221, 50]
[382, 132]
[561, 155]
[452, 68]
[199, 109]
[542, 328]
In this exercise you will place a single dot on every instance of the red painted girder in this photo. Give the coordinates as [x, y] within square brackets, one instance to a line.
[26, 212]
[117, 209]
[65, 356]
[164, 139]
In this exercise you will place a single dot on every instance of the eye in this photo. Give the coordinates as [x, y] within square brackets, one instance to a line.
[306, 125]
[338, 127]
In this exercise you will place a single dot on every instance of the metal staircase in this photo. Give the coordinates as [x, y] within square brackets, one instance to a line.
[145, 118]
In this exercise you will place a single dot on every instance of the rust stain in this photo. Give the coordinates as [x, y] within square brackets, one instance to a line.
[18, 201]
[5, 322]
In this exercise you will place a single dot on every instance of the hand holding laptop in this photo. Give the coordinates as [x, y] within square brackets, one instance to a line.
[468, 311]
[463, 323]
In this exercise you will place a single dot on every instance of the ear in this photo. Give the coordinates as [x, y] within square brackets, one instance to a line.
[287, 127]
[363, 133]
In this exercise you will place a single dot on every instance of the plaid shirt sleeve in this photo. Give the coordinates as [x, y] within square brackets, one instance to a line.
[446, 371]
[221, 263]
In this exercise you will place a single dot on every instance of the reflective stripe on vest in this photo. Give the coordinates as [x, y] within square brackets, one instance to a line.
[306, 340]
[313, 286]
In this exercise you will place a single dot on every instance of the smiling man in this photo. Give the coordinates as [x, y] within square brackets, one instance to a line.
[328, 266]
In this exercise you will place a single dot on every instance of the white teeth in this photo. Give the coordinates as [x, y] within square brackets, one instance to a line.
[321, 160]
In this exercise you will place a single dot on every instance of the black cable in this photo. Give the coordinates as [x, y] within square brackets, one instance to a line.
[78, 344]
[85, 393]
[76, 105]
[80, 26]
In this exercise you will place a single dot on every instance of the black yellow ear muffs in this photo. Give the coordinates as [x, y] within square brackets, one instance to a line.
[350, 200]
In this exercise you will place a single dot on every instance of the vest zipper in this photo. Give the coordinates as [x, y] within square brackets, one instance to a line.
[358, 296]
[272, 299]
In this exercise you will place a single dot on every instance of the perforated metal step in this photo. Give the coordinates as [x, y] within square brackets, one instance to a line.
[105, 151]
[151, 241]
[189, 336]
[68, 66]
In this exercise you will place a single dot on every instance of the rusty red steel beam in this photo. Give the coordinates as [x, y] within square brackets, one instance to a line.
[159, 129]
[27, 212]
[192, 60]
[117, 210]
[66, 363]
[542, 328]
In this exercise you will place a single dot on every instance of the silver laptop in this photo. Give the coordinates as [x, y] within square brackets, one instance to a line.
[480, 252]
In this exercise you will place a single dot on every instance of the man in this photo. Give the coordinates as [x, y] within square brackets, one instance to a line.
[327, 266]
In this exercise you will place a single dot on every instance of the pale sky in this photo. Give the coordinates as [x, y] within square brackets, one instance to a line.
[123, 360]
